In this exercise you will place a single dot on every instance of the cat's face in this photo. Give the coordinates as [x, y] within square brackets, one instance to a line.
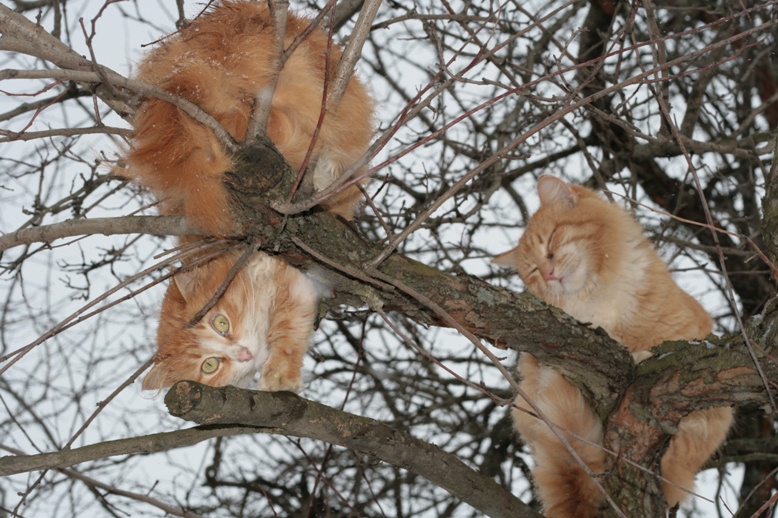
[566, 249]
[223, 348]
[553, 258]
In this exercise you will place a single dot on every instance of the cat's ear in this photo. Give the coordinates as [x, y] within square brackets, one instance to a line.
[185, 282]
[507, 258]
[157, 378]
[552, 190]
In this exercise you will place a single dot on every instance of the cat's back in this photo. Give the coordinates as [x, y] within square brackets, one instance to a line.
[642, 305]
[224, 61]
[667, 312]
[232, 37]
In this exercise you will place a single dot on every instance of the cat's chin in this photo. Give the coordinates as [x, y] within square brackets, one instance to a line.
[242, 375]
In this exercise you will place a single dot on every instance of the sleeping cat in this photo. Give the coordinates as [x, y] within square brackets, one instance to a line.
[591, 259]
[222, 62]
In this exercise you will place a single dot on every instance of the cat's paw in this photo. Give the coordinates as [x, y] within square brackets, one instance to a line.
[275, 381]
[639, 356]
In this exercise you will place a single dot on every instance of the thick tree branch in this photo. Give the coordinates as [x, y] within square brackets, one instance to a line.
[288, 414]
[518, 320]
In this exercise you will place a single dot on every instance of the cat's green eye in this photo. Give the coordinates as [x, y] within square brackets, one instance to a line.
[210, 365]
[221, 324]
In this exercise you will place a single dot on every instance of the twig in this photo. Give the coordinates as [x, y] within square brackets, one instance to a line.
[352, 52]
[12, 136]
[415, 106]
[175, 511]
[100, 406]
[319, 122]
[722, 260]
[82, 313]
[155, 225]
[237, 267]
[447, 318]
[257, 126]
[19, 463]
[337, 266]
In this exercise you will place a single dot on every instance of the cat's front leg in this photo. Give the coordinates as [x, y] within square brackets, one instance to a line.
[291, 324]
[699, 435]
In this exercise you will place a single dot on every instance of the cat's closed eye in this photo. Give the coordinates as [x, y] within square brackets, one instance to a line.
[549, 248]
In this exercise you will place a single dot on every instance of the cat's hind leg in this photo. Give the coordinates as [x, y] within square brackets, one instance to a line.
[563, 485]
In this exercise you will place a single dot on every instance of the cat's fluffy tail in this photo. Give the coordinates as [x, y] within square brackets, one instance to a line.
[567, 491]
[564, 486]
[174, 155]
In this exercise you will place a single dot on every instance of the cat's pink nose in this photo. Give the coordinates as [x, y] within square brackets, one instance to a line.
[244, 355]
[549, 275]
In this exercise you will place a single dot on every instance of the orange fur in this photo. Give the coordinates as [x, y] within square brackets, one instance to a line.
[591, 259]
[222, 62]
[270, 308]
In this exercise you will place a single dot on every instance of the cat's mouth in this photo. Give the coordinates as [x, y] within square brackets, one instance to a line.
[567, 283]
[561, 281]
[557, 284]
[553, 277]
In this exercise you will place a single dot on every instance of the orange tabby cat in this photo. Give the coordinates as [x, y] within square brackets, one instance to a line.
[223, 62]
[591, 259]
[263, 322]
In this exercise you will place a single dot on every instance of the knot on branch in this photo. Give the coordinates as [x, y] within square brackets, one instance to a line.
[259, 170]
[260, 176]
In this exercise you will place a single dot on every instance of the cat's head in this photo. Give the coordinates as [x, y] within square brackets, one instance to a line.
[570, 245]
[221, 349]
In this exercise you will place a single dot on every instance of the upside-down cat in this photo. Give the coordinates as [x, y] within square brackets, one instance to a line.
[224, 61]
[591, 259]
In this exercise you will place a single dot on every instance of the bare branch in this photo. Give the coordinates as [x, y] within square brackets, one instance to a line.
[289, 414]
[257, 126]
[10, 465]
[157, 225]
[352, 52]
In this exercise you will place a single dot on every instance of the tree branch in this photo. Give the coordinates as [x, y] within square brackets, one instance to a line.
[11, 465]
[289, 414]
[352, 52]
[155, 225]
[21, 35]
